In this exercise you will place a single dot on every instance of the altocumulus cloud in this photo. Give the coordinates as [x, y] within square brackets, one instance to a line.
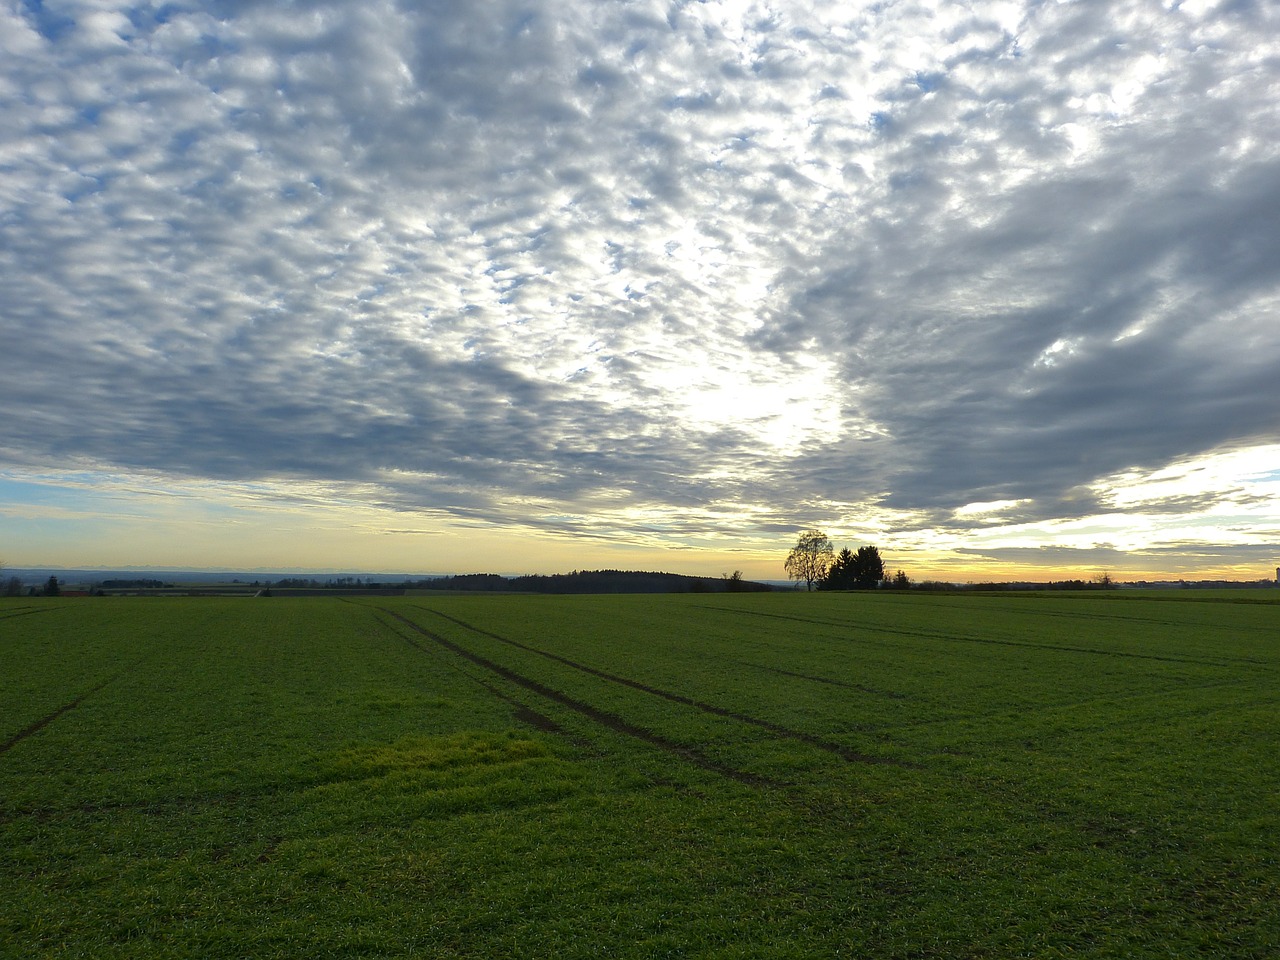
[645, 268]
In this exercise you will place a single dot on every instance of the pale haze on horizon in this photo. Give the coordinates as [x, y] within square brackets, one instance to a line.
[530, 286]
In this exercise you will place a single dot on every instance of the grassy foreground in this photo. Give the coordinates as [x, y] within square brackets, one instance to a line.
[780, 775]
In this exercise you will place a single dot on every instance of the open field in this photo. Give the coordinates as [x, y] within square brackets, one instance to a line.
[777, 775]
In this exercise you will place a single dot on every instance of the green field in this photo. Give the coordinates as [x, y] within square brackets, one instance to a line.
[776, 775]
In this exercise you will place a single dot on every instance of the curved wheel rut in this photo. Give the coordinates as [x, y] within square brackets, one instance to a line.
[604, 718]
[840, 750]
[44, 721]
[13, 614]
[958, 638]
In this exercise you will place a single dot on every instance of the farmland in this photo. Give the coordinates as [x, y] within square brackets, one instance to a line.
[775, 775]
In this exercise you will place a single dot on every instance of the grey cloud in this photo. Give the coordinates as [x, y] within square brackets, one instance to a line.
[446, 250]
[1176, 558]
[1091, 256]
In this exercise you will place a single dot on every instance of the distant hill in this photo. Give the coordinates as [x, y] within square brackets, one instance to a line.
[593, 581]
[225, 582]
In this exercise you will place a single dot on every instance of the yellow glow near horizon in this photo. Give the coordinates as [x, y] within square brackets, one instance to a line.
[1206, 518]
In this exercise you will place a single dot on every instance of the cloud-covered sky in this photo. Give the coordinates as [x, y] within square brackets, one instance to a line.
[656, 283]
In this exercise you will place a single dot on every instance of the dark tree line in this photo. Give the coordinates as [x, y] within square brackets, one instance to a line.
[813, 560]
[854, 571]
[597, 581]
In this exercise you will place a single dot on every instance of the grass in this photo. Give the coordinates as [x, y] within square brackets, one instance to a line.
[779, 775]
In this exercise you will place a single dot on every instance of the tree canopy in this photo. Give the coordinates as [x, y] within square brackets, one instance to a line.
[855, 571]
[809, 558]
[841, 575]
[868, 567]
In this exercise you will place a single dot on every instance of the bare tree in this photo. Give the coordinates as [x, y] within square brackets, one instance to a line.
[809, 558]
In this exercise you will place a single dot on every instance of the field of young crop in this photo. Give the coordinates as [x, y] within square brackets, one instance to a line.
[777, 775]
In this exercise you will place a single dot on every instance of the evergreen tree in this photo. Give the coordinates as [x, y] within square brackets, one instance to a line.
[868, 568]
[842, 573]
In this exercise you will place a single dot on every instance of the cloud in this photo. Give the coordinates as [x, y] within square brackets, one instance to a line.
[1172, 561]
[579, 266]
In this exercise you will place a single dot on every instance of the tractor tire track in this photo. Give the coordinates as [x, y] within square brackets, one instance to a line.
[25, 613]
[845, 753]
[523, 713]
[957, 638]
[605, 719]
[44, 721]
[829, 681]
[1020, 605]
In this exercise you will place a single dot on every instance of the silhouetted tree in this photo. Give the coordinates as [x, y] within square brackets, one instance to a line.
[868, 568]
[841, 573]
[51, 588]
[809, 558]
[901, 581]
[12, 586]
[855, 571]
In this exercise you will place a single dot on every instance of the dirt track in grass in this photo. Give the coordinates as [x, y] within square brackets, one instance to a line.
[840, 750]
[12, 614]
[44, 721]
[960, 638]
[603, 718]
[829, 681]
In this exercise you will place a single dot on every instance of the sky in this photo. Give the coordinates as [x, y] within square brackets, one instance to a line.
[528, 286]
